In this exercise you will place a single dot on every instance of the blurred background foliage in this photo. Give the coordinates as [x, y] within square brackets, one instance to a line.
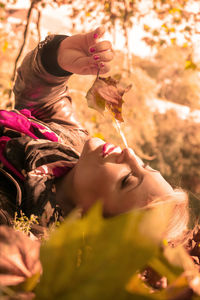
[171, 73]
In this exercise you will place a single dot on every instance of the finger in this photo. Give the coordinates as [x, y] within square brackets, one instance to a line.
[103, 56]
[93, 36]
[100, 47]
[93, 70]
[89, 60]
[98, 32]
[104, 68]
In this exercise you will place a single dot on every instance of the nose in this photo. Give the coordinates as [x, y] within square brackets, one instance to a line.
[128, 156]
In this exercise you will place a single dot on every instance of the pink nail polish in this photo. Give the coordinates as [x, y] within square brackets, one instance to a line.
[95, 36]
[102, 65]
[92, 49]
[96, 57]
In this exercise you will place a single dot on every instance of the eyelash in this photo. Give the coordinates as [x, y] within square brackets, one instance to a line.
[125, 180]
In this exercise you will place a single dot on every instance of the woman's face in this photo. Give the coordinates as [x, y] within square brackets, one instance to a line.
[117, 178]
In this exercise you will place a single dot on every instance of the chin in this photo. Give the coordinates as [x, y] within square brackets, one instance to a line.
[91, 145]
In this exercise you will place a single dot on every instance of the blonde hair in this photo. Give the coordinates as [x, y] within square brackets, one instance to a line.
[177, 228]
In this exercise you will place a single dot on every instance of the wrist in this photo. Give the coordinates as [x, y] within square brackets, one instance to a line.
[49, 56]
[61, 53]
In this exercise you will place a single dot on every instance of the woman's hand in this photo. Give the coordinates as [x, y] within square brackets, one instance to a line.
[84, 54]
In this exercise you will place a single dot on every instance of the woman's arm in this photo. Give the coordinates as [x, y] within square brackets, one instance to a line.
[41, 84]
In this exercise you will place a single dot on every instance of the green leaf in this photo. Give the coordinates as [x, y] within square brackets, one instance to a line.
[137, 286]
[94, 258]
[2, 5]
[161, 265]
[179, 257]
[29, 284]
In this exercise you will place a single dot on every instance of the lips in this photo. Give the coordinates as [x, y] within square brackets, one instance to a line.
[109, 148]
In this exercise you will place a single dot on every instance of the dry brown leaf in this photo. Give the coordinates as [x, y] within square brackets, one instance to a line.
[107, 93]
[19, 257]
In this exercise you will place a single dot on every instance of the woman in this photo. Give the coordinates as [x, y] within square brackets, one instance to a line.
[54, 164]
[49, 165]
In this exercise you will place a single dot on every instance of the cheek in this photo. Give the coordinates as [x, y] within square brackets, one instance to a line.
[88, 177]
[96, 179]
[129, 201]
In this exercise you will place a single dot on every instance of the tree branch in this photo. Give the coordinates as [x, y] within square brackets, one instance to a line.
[28, 18]
[38, 24]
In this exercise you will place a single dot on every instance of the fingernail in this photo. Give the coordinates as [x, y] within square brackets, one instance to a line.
[102, 65]
[95, 36]
[96, 57]
[92, 49]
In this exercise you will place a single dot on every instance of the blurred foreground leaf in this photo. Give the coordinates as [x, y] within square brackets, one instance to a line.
[179, 257]
[94, 258]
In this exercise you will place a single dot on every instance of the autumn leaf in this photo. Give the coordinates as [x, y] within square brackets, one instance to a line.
[107, 93]
[189, 64]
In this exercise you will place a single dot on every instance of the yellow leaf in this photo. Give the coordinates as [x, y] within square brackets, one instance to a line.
[174, 10]
[190, 65]
[136, 285]
[185, 45]
[5, 46]
[164, 26]
[94, 119]
[173, 40]
[146, 27]
[107, 6]
[165, 242]
[99, 135]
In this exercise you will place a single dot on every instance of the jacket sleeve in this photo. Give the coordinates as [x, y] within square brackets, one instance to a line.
[41, 85]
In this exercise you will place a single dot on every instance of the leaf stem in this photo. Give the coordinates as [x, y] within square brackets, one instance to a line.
[98, 73]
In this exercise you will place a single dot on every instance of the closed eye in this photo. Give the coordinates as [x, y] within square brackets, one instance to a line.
[129, 179]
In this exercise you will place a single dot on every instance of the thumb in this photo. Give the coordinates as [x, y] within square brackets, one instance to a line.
[95, 35]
